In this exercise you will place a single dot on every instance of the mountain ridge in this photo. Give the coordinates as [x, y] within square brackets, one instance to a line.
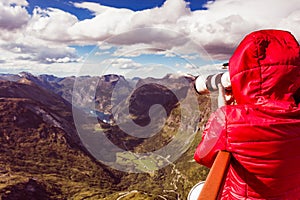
[40, 149]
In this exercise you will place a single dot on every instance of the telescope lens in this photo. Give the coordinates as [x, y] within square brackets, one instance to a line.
[212, 81]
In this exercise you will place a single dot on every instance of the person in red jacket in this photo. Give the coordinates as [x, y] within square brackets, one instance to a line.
[262, 131]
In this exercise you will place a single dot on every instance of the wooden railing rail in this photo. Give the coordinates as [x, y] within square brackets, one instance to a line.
[216, 177]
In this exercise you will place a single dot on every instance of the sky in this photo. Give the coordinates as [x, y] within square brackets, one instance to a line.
[132, 37]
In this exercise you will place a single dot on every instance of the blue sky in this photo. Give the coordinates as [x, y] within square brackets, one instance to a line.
[133, 37]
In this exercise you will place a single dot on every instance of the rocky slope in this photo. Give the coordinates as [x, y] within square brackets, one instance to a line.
[40, 152]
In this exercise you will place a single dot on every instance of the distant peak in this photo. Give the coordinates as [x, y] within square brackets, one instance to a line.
[25, 74]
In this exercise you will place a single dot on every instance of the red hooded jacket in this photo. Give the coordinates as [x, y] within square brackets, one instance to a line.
[262, 131]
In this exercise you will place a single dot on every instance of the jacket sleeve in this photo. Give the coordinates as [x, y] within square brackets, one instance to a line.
[213, 139]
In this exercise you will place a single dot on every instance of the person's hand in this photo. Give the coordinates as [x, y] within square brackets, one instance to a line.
[225, 96]
[229, 97]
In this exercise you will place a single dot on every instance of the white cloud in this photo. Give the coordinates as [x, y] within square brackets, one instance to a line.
[105, 24]
[52, 55]
[291, 23]
[45, 35]
[51, 25]
[62, 60]
[39, 53]
[13, 16]
[59, 69]
[29, 40]
[218, 29]
[125, 63]
[110, 22]
[93, 7]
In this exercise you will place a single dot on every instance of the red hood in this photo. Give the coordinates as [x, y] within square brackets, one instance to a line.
[265, 69]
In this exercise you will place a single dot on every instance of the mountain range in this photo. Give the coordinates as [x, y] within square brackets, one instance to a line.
[42, 155]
